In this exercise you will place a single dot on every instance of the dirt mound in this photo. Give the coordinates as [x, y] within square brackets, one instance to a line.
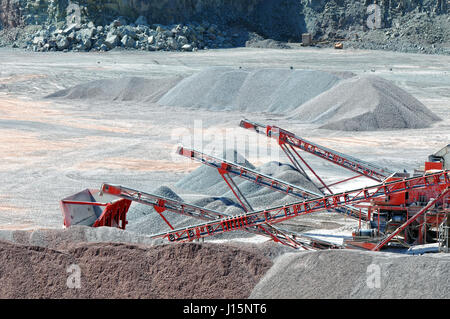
[130, 271]
[349, 274]
[366, 103]
[122, 89]
[260, 90]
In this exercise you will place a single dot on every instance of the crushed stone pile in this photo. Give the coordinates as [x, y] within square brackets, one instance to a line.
[130, 271]
[206, 180]
[258, 90]
[349, 274]
[61, 238]
[121, 89]
[365, 103]
[144, 219]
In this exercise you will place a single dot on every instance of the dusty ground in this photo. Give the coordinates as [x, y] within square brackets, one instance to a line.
[51, 149]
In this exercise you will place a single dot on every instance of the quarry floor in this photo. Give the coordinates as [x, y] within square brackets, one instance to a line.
[52, 149]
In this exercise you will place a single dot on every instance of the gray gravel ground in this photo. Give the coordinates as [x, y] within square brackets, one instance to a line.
[350, 274]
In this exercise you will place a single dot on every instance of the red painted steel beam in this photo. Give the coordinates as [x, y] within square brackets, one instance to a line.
[351, 163]
[162, 204]
[114, 212]
[282, 213]
[311, 169]
[75, 202]
[230, 168]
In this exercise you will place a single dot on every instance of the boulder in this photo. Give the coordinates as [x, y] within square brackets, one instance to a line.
[128, 41]
[112, 40]
[186, 47]
[63, 43]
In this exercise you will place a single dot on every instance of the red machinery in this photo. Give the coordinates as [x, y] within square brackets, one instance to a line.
[282, 213]
[85, 208]
[290, 143]
[401, 210]
[383, 215]
[162, 204]
[227, 168]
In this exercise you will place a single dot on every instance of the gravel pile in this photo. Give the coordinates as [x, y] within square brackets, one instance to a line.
[206, 180]
[145, 220]
[349, 274]
[121, 89]
[366, 103]
[61, 238]
[259, 90]
[257, 41]
[130, 271]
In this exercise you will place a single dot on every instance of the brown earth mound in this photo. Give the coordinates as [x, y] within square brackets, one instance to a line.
[116, 270]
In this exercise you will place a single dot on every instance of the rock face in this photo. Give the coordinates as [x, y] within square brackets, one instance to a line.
[9, 14]
[419, 21]
[276, 19]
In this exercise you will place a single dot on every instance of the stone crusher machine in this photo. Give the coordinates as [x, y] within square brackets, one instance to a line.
[399, 211]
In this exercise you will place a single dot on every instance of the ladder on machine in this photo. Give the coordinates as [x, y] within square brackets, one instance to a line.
[444, 228]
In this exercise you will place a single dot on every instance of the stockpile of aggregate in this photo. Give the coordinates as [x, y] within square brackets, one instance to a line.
[206, 180]
[144, 220]
[114, 270]
[335, 101]
[254, 90]
[366, 103]
[61, 238]
[121, 89]
[352, 274]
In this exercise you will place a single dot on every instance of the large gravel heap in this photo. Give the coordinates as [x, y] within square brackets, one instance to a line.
[121, 89]
[258, 90]
[333, 101]
[130, 271]
[366, 103]
[350, 274]
[62, 238]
